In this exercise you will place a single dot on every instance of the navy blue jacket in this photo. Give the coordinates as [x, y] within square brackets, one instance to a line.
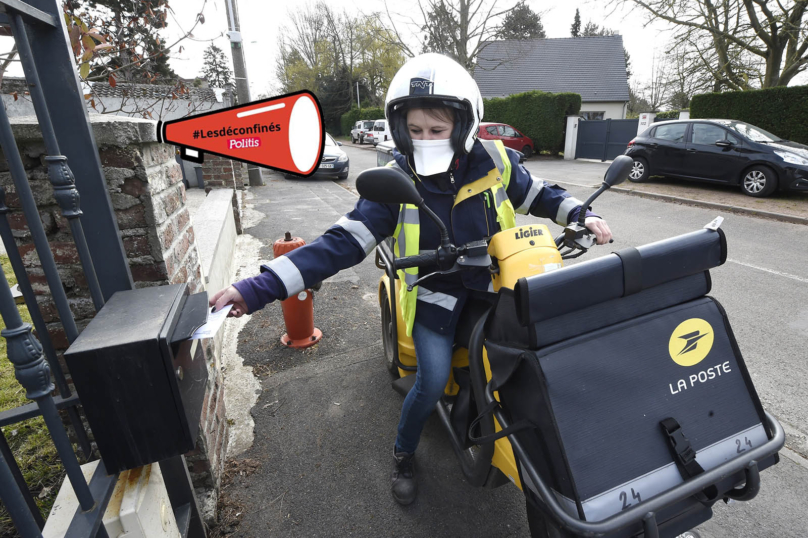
[356, 235]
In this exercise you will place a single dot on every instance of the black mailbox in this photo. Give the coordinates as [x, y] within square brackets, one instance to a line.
[140, 378]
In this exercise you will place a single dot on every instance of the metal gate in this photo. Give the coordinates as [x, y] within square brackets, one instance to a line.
[604, 139]
[41, 38]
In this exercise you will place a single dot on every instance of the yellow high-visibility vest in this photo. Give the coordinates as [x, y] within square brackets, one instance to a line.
[408, 229]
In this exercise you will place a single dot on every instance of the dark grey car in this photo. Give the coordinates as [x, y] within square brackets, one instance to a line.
[720, 151]
[335, 161]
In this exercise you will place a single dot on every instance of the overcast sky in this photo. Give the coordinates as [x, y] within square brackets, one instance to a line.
[263, 20]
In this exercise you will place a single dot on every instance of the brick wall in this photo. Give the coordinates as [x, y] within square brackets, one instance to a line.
[222, 172]
[146, 191]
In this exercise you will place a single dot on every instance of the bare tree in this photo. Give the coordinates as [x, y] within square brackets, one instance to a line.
[461, 29]
[742, 43]
[687, 77]
[657, 90]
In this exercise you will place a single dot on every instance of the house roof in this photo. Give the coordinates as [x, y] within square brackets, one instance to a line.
[14, 84]
[153, 91]
[594, 67]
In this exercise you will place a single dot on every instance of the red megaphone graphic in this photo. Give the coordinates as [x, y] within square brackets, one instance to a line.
[282, 133]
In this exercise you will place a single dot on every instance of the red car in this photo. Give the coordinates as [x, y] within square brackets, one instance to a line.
[509, 136]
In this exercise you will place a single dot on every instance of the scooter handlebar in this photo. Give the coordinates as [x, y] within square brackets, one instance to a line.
[419, 260]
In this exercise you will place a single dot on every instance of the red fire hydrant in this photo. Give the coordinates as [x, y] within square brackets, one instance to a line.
[298, 310]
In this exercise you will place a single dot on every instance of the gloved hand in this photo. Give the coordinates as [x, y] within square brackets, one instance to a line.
[226, 296]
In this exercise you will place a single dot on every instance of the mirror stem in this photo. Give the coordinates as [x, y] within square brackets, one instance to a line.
[582, 214]
[444, 233]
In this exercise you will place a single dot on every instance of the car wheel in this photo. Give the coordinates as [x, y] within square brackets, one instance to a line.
[353, 140]
[527, 151]
[759, 181]
[343, 176]
[639, 171]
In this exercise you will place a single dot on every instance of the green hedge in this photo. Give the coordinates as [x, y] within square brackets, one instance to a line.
[782, 111]
[539, 115]
[668, 115]
[348, 119]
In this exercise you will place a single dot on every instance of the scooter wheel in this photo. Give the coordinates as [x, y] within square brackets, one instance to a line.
[387, 337]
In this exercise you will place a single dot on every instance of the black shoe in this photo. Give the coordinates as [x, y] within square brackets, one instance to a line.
[404, 487]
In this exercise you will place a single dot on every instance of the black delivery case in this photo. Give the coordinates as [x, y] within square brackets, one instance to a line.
[141, 380]
[596, 356]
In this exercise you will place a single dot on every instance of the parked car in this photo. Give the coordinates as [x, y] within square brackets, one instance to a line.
[334, 162]
[380, 133]
[720, 151]
[359, 130]
[509, 136]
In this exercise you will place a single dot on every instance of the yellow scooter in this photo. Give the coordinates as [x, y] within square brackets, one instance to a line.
[510, 255]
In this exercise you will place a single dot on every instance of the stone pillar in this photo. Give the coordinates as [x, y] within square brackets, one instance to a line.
[571, 137]
[646, 121]
[144, 182]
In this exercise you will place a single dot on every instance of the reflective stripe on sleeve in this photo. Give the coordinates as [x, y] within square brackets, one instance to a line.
[536, 185]
[359, 232]
[440, 299]
[564, 210]
[289, 274]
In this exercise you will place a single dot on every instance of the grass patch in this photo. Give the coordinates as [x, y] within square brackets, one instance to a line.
[29, 441]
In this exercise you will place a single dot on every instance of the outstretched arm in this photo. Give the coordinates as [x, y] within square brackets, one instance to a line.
[343, 245]
[531, 195]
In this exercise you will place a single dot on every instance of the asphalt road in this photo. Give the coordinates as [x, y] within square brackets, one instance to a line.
[325, 421]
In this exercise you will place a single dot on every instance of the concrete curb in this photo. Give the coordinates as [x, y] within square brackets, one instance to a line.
[792, 219]
[360, 146]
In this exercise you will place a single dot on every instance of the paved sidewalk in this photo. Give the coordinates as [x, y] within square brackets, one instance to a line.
[589, 173]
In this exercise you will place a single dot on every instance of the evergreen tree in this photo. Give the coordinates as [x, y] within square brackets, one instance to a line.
[575, 29]
[216, 69]
[522, 23]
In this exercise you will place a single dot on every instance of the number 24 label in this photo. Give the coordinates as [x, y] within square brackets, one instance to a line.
[624, 497]
[740, 446]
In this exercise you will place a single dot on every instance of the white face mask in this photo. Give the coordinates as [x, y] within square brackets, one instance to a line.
[432, 156]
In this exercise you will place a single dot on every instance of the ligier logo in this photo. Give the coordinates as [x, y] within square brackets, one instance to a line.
[420, 86]
[691, 342]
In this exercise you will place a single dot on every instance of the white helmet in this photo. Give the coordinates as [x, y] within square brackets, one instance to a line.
[432, 81]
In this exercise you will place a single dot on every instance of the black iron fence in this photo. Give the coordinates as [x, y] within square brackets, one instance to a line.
[58, 101]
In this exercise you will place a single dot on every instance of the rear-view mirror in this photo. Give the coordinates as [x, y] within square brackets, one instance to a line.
[723, 143]
[387, 185]
[619, 170]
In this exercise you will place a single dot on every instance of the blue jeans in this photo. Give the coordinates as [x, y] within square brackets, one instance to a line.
[434, 352]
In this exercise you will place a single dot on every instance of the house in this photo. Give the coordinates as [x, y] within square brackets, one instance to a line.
[594, 67]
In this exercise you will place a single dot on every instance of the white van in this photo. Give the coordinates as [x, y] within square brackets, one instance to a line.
[359, 130]
[380, 133]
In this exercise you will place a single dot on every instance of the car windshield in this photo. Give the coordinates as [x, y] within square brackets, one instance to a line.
[755, 134]
[329, 141]
[368, 125]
